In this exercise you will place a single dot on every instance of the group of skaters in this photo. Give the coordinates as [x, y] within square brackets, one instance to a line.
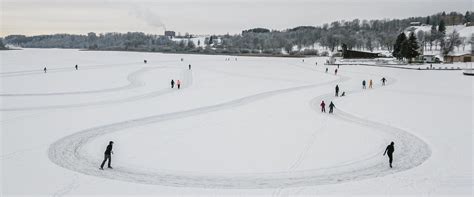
[178, 83]
[371, 83]
[327, 70]
[391, 147]
[228, 59]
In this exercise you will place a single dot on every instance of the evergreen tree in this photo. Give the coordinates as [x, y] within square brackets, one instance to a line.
[412, 47]
[467, 17]
[428, 21]
[397, 48]
[2, 46]
[442, 27]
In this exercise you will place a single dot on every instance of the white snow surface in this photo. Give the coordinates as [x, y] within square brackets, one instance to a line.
[246, 127]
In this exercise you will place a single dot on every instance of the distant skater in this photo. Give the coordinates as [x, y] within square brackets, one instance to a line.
[338, 66]
[316, 63]
[144, 61]
[337, 90]
[383, 81]
[389, 150]
[76, 67]
[363, 84]
[182, 59]
[45, 69]
[189, 66]
[179, 84]
[343, 94]
[323, 106]
[327, 70]
[335, 71]
[108, 156]
[172, 83]
[303, 60]
[331, 107]
[371, 83]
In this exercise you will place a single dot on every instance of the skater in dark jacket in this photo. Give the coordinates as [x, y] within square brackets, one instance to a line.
[189, 66]
[335, 71]
[363, 84]
[172, 83]
[331, 107]
[383, 81]
[337, 90]
[76, 67]
[45, 69]
[327, 70]
[178, 83]
[108, 156]
[389, 150]
[323, 107]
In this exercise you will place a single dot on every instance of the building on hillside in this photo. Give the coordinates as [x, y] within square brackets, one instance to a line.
[461, 57]
[350, 54]
[170, 34]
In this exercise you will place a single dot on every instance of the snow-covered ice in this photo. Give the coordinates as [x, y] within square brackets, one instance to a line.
[245, 127]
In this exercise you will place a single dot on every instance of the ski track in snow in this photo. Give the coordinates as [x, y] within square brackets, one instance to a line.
[393, 133]
[411, 152]
[132, 78]
[186, 76]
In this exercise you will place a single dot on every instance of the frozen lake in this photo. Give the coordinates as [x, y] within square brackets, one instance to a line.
[248, 126]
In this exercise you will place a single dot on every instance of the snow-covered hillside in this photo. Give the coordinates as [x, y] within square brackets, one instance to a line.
[250, 126]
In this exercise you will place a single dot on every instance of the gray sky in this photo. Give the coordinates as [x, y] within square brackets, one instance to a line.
[33, 17]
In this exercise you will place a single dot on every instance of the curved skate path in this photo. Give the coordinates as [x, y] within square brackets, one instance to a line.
[67, 152]
[186, 76]
[133, 79]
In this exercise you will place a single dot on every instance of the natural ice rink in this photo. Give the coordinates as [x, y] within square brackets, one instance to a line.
[250, 126]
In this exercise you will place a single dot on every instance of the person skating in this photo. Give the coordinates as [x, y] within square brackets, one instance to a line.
[363, 84]
[172, 83]
[144, 61]
[327, 70]
[389, 150]
[178, 83]
[337, 90]
[189, 66]
[343, 94]
[383, 81]
[108, 156]
[335, 71]
[371, 83]
[76, 67]
[331, 107]
[303, 60]
[45, 69]
[323, 106]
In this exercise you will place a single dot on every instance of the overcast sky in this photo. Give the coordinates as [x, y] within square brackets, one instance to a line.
[33, 17]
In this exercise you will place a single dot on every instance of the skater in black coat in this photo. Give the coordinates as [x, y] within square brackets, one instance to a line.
[389, 150]
[331, 107]
[363, 84]
[45, 69]
[323, 107]
[107, 156]
[76, 67]
[172, 83]
[337, 90]
[383, 81]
